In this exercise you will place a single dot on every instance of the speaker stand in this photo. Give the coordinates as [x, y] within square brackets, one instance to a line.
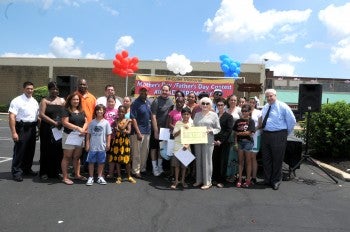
[306, 156]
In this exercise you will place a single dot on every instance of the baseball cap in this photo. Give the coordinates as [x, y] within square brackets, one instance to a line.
[144, 88]
[202, 94]
[217, 90]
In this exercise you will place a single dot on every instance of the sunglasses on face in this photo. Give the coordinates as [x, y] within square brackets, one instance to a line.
[244, 111]
[218, 94]
[205, 103]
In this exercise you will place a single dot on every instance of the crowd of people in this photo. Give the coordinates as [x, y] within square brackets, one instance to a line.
[109, 135]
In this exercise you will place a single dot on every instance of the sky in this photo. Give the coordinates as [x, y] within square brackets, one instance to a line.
[301, 38]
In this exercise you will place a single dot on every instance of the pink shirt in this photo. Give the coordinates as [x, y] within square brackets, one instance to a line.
[111, 115]
[175, 116]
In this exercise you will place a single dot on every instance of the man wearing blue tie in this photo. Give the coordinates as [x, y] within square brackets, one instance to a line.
[278, 121]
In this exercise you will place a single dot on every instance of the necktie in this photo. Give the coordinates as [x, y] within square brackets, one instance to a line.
[265, 118]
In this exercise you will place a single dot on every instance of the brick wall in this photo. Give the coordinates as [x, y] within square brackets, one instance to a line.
[12, 78]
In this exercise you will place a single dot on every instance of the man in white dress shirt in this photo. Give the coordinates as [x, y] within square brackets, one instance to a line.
[109, 90]
[23, 119]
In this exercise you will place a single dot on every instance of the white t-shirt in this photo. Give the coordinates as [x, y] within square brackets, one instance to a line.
[99, 131]
[256, 114]
[25, 109]
[103, 100]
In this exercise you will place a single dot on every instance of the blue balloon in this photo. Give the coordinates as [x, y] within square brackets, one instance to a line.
[233, 67]
[225, 68]
[222, 57]
[230, 67]
[238, 70]
[227, 60]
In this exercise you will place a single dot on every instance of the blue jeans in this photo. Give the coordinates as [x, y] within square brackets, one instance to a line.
[245, 144]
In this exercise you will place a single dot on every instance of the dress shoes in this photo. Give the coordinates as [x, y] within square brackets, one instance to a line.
[262, 183]
[18, 178]
[30, 173]
[138, 176]
[276, 185]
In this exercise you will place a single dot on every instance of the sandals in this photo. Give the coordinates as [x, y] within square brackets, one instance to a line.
[82, 178]
[239, 184]
[131, 180]
[174, 186]
[119, 180]
[68, 182]
[247, 184]
[205, 187]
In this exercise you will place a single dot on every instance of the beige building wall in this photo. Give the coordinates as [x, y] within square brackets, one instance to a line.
[98, 73]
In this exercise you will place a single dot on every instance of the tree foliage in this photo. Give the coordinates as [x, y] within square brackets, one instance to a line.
[329, 130]
[40, 92]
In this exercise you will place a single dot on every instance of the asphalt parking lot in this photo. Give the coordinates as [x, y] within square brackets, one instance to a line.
[310, 202]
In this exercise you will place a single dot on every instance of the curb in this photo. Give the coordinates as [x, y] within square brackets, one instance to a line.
[334, 171]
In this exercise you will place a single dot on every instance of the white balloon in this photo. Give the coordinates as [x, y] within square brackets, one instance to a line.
[178, 64]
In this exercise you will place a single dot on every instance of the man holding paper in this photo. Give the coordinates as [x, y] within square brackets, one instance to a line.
[160, 109]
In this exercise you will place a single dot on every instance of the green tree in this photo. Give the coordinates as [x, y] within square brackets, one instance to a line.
[329, 130]
[40, 92]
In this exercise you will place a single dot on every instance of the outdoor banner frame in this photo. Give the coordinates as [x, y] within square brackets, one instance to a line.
[186, 84]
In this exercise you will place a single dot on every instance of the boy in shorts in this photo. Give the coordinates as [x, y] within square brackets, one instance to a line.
[97, 143]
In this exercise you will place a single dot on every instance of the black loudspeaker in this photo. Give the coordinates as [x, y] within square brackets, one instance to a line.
[292, 155]
[310, 98]
[66, 84]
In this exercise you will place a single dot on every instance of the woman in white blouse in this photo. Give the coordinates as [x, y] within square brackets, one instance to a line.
[256, 116]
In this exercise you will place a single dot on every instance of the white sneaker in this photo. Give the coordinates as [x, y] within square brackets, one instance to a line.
[160, 170]
[101, 180]
[156, 172]
[90, 181]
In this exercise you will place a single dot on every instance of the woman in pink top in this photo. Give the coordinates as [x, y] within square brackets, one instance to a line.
[111, 116]
[111, 113]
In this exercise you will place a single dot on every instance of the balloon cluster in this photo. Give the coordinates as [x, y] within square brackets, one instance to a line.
[178, 64]
[123, 65]
[230, 67]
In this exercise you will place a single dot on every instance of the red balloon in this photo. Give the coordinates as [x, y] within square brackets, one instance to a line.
[123, 73]
[125, 63]
[119, 56]
[134, 67]
[116, 63]
[115, 70]
[125, 53]
[124, 66]
[134, 60]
